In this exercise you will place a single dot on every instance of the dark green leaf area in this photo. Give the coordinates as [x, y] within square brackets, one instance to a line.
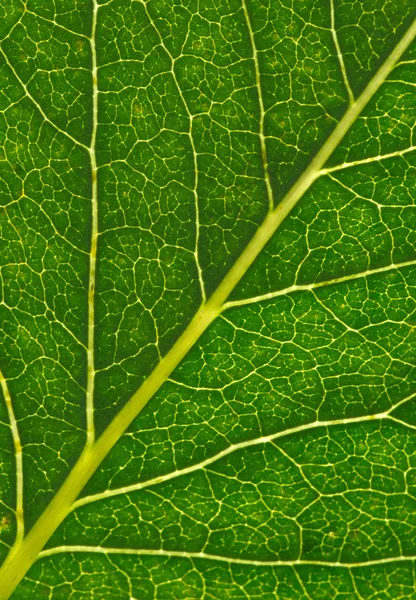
[213, 79]
[364, 475]
[54, 67]
[94, 577]
[10, 13]
[301, 86]
[278, 501]
[406, 412]
[225, 510]
[44, 241]
[147, 289]
[386, 124]
[344, 351]
[283, 500]
[142, 144]
[74, 15]
[350, 222]
[367, 31]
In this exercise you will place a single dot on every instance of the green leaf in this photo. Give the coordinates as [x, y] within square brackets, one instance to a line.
[209, 205]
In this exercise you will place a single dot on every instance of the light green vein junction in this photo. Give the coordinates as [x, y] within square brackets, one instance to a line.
[241, 446]
[37, 105]
[317, 285]
[366, 161]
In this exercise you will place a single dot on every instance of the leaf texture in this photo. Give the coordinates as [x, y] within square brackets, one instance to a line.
[209, 205]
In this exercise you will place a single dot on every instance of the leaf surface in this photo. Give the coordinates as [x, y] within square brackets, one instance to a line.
[209, 206]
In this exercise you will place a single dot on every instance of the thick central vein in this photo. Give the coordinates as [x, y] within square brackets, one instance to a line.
[94, 237]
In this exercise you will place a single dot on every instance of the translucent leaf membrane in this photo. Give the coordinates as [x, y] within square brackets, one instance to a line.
[115, 576]
[142, 145]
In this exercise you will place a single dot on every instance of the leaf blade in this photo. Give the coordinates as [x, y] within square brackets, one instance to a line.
[206, 315]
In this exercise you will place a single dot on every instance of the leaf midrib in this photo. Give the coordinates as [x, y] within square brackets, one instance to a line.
[23, 555]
